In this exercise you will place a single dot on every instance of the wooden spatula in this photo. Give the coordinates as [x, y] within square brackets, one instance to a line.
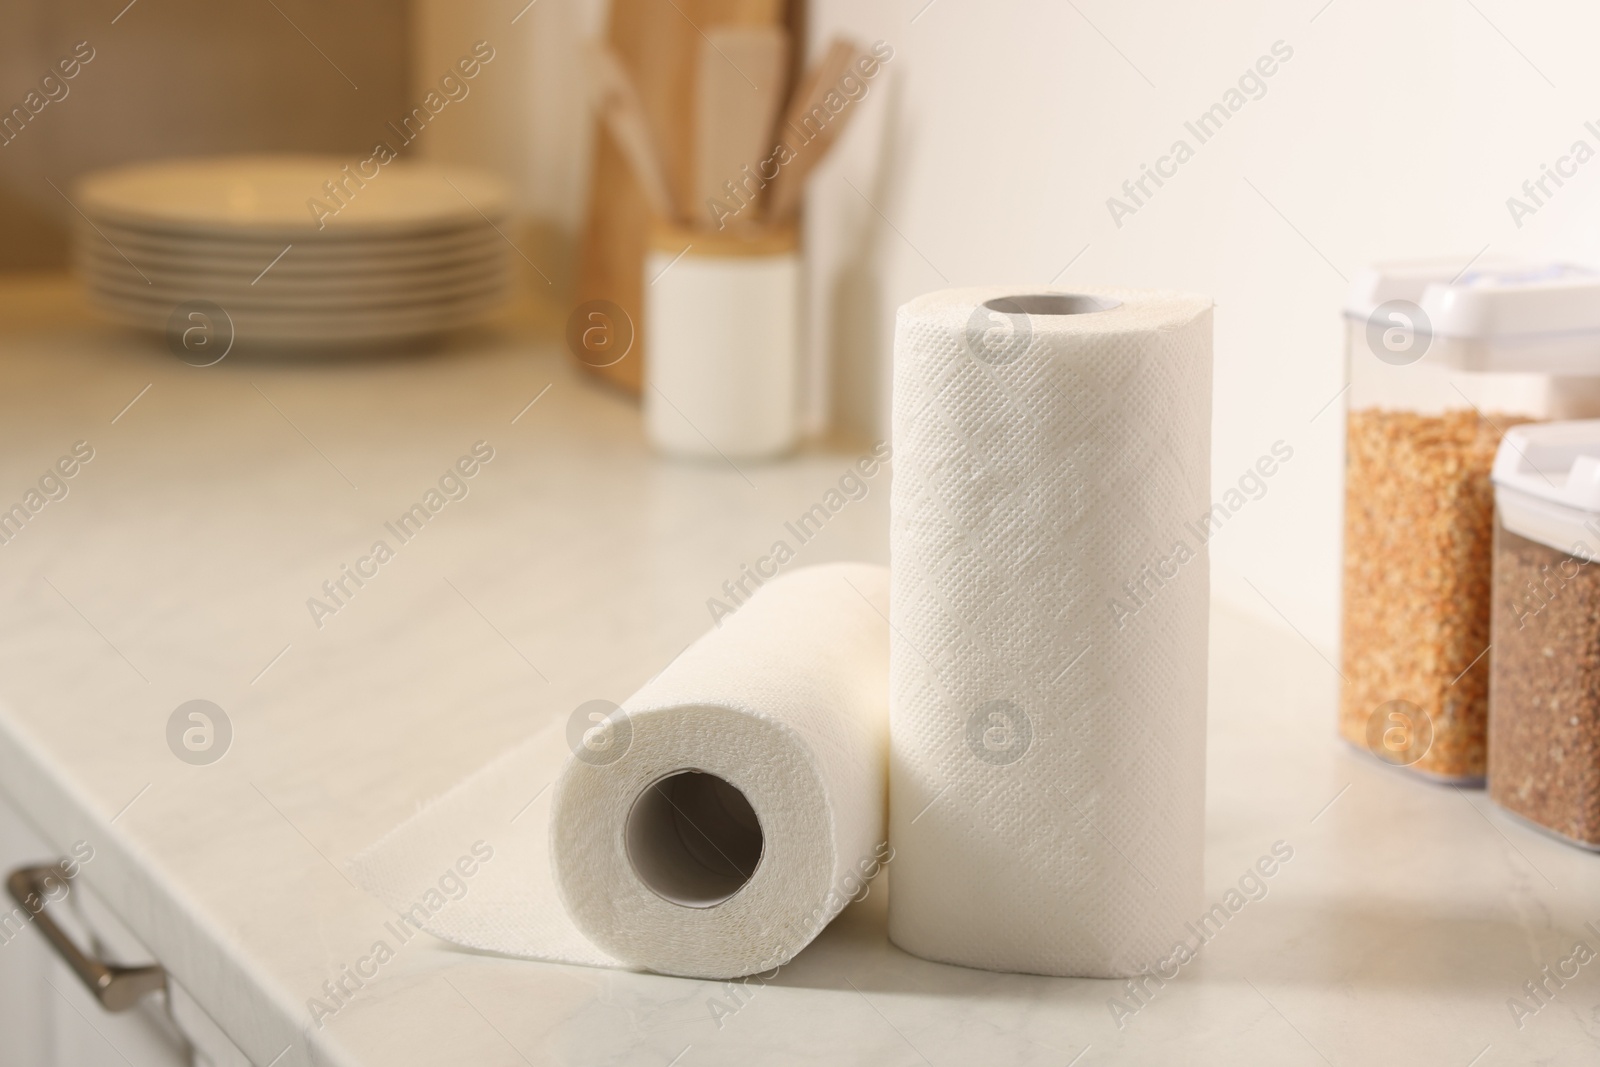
[743, 72]
[619, 104]
[810, 128]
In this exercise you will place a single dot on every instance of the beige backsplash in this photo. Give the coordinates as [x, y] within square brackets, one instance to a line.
[185, 77]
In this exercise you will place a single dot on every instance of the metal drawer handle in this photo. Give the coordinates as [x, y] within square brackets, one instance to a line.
[116, 988]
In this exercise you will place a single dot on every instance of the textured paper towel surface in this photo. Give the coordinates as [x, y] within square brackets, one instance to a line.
[786, 701]
[1047, 759]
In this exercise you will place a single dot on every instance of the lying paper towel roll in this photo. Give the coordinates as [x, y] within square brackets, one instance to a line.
[1049, 611]
[710, 830]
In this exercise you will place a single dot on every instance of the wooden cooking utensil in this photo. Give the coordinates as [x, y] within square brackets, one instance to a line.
[657, 43]
[629, 126]
[743, 72]
[810, 128]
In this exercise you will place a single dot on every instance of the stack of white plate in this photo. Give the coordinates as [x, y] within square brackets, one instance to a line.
[296, 251]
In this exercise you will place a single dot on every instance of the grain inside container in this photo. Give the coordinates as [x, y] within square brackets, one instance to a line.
[1544, 693]
[1441, 363]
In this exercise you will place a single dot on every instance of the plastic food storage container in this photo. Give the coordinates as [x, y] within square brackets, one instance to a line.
[1544, 688]
[1440, 363]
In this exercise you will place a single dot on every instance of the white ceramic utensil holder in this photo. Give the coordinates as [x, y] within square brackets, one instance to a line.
[722, 329]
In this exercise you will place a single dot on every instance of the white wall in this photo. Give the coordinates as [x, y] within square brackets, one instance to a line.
[1395, 130]
[990, 149]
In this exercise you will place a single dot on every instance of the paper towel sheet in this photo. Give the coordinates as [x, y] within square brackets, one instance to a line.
[785, 701]
[1047, 760]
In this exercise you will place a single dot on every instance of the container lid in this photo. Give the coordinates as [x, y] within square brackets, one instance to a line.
[1501, 315]
[1547, 484]
[1408, 279]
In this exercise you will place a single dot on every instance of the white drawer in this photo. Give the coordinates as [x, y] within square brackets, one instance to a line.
[50, 1019]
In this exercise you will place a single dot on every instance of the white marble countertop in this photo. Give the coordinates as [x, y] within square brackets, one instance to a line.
[178, 567]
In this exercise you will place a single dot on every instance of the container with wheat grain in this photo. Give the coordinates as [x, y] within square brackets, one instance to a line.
[1441, 362]
[1544, 688]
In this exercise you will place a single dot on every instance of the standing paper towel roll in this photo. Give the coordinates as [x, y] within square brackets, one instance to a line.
[710, 830]
[1049, 618]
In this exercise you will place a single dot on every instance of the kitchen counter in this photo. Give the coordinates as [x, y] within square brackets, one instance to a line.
[179, 564]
